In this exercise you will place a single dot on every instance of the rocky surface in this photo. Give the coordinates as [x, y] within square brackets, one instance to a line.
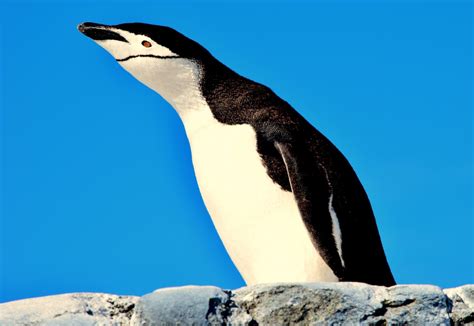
[271, 304]
[461, 304]
[70, 309]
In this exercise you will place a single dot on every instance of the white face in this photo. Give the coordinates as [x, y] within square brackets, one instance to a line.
[176, 79]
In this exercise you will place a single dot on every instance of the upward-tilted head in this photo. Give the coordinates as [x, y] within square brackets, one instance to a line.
[143, 40]
[158, 56]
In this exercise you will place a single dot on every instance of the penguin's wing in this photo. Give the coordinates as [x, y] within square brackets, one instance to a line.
[313, 194]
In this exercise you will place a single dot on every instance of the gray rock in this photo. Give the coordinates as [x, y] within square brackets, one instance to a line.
[196, 305]
[268, 304]
[461, 300]
[69, 309]
[341, 303]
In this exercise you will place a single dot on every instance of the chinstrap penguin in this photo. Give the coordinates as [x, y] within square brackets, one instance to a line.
[286, 203]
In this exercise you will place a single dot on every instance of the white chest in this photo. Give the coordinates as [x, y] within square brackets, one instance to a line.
[258, 222]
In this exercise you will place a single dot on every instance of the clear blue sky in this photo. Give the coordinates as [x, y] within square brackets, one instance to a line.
[98, 190]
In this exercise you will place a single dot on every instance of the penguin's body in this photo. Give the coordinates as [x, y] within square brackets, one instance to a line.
[285, 202]
[258, 222]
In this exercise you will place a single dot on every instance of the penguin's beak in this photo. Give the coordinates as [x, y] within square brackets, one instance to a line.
[100, 32]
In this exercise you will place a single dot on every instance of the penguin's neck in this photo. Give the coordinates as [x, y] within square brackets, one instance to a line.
[188, 101]
[178, 82]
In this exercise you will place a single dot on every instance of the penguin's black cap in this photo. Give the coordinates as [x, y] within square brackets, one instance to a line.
[163, 35]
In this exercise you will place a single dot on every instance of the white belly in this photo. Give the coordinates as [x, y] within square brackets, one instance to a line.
[258, 222]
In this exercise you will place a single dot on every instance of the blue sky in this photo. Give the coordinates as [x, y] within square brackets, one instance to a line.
[98, 190]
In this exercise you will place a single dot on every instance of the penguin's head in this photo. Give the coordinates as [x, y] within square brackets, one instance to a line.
[158, 56]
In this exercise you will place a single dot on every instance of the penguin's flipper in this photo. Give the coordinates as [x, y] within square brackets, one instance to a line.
[312, 191]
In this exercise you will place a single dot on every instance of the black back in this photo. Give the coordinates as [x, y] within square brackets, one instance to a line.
[234, 99]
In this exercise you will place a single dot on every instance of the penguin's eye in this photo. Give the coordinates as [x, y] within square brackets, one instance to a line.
[146, 44]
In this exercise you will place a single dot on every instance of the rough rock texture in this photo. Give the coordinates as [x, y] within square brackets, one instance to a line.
[351, 303]
[69, 309]
[270, 304]
[461, 301]
[186, 305]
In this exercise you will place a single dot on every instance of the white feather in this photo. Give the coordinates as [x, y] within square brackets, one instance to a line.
[258, 222]
[336, 229]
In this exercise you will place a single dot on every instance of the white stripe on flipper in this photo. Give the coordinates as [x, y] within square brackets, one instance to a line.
[336, 230]
[286, 166]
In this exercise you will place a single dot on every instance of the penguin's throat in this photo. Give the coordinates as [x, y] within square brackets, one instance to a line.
[176, 80]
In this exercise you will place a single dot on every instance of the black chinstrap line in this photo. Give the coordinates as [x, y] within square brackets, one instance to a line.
[149, 56]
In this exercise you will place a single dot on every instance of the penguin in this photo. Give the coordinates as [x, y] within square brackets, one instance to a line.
[284, 200]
